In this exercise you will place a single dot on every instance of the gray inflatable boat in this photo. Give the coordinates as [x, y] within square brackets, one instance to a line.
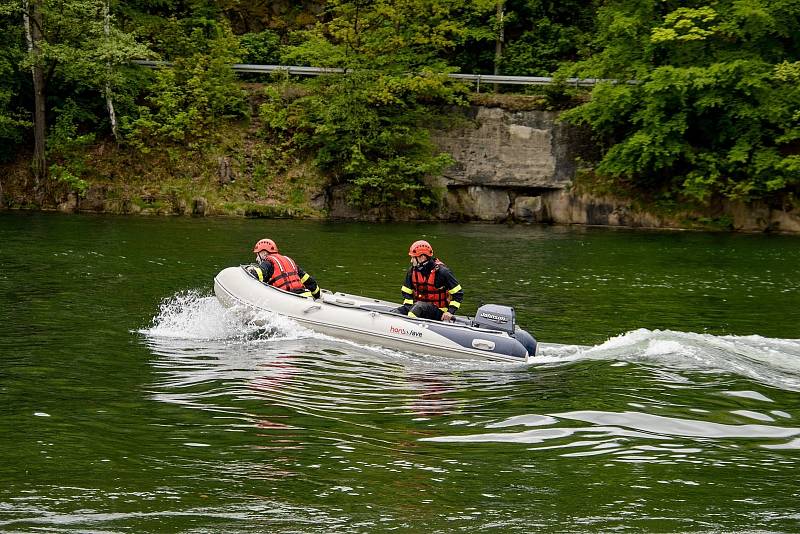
[491, 335]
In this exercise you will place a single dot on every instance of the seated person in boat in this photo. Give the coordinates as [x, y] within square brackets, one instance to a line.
[430, 290]
[281, 271]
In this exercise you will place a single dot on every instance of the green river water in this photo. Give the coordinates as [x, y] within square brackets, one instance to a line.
[665, 396]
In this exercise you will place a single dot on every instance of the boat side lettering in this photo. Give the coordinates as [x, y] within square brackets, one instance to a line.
[404, 332]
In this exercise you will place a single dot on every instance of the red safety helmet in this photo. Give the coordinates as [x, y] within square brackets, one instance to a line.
[419, 248]
[266, 244]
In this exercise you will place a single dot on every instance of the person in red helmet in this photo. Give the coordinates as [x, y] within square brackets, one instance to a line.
[430, 290]
[281, 271]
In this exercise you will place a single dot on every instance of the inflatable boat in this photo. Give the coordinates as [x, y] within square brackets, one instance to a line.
[491, 335]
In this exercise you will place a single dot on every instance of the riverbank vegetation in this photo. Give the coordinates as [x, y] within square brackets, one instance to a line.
[712, 110]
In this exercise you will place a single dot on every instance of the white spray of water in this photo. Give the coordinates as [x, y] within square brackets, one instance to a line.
[190, 315]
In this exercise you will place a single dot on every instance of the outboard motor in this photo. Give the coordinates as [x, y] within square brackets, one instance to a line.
[495, 317]
[527, 340]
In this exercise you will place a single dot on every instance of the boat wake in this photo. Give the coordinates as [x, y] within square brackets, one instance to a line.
[191, 317]
[771, 361]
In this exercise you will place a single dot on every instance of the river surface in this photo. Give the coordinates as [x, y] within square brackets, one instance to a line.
[665, 397]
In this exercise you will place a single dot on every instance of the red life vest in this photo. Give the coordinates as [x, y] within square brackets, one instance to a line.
[284, 274]
[425, 289]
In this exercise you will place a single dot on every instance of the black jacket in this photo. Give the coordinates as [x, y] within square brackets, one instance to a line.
[444, 279]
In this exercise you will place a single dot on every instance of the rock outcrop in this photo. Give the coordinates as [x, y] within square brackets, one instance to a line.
[520, 166]
[506, 161]
[511, 149]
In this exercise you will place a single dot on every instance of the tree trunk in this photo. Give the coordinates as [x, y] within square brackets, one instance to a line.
[112, 116]
[498, 43]
[33, 33]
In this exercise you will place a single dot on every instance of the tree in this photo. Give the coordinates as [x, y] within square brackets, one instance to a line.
[713, 111]
[76, 43]
[544, 34]
[14, 120]
[32, 16]
[186, 100]
[369, 128]
[533, 37]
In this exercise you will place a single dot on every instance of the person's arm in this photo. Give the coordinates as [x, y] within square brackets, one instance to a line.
[407, 293]
[449, 282]
[264, 271]
[309, 282]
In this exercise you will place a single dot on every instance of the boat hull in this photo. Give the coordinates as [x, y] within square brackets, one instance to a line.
[368, 321]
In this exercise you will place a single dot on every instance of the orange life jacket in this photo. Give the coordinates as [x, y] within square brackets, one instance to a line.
[425, 289]
[284, 274]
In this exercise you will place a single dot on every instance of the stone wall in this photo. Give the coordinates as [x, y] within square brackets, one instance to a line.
[519, 166]
[506, 161]
[523, 149]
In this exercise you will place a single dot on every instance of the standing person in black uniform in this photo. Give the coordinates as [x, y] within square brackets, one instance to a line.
[281, 271]
[430, 290]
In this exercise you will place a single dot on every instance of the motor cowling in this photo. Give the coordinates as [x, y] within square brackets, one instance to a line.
[495, 317]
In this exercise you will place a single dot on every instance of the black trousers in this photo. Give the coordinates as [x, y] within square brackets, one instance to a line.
[424, 310]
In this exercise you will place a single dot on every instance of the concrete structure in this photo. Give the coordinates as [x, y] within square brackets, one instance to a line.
[520, 165]
[508, 163]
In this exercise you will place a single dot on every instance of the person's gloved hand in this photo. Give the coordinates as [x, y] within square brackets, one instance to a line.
[317, 295]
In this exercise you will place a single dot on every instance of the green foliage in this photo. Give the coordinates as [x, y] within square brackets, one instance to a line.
[539, 51]
[64, 138]
[65, 175]
[711, 114]
[187, 99]
[391, 35]
[714, 112]
[686, 24]
[261, 48]
[81, 52]
[368, 128]
[540, 35]
[13, 119]
[85, 53]
[67, 147]
[250, 209]
[80, 48]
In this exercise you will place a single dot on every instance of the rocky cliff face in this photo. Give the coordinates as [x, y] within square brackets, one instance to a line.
[507, 162]
[520, 165]
[508, 149]
[506, 165]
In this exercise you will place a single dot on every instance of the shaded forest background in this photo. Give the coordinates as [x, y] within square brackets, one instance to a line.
[713, 113]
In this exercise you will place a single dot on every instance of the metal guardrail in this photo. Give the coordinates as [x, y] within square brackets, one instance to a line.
[527, 80]
[477, 78]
